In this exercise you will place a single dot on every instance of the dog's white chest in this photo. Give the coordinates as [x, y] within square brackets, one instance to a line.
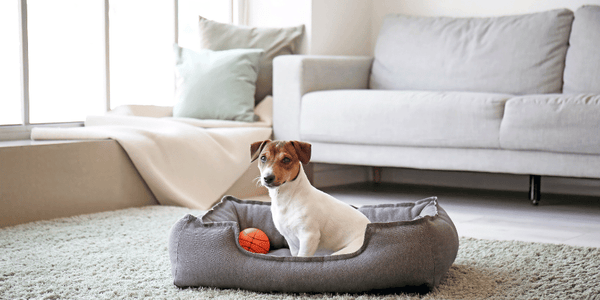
[288, 219]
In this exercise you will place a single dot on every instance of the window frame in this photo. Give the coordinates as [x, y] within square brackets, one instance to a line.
[23, 131]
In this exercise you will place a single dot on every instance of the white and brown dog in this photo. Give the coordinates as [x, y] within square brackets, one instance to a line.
[308, 219]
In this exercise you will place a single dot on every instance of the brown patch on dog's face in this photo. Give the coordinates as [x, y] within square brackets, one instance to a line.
[279, 161]
[256, 148]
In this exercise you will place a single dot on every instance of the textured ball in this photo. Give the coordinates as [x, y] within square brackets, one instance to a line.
[254, 240]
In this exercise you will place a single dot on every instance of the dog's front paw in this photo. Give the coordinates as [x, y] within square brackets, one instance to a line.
[294, 251]
[309, 244]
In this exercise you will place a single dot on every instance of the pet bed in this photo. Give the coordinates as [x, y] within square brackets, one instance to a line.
[407, 244]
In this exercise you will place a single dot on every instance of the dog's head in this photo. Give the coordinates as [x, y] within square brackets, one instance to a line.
[279, 161]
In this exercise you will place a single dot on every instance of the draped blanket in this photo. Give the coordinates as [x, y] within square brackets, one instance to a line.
[185, 162]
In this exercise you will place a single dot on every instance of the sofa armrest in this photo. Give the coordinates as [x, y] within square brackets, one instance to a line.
[296, 75]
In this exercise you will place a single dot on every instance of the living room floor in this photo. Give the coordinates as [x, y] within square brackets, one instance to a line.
[499, 215]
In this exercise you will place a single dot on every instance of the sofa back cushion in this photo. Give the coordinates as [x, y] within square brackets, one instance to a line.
[520, 54]
[582, 70]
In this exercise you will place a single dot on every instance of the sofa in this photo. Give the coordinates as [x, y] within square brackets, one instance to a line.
[511, 94]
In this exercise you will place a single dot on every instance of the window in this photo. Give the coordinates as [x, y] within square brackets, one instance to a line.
[66, 60]
[62, 60]
[141, 52]
[10, 64]
[189, 10]
[142, 33]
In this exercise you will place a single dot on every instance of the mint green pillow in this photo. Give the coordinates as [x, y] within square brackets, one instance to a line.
[216, 84]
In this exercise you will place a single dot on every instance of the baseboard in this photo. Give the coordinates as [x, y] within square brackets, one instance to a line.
[571, 186]
[471, 180]
[326, 175]
[330, 175]
[491, 181]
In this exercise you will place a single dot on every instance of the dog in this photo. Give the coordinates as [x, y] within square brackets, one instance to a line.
[310, 220]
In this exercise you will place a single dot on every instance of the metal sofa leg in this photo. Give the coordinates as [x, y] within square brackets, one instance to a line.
[534, 189]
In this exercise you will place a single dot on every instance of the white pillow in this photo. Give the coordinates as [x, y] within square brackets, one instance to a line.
[274, 41]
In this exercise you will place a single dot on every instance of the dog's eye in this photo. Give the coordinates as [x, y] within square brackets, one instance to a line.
[263, 158]
[286, 160]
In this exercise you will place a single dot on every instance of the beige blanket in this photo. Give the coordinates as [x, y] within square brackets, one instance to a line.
[184, 161]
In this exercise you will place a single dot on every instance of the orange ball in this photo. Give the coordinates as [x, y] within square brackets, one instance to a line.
[254, 240]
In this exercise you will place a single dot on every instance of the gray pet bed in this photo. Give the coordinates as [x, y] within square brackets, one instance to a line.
[407, 244]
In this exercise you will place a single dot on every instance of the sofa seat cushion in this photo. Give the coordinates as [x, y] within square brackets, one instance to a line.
[403, 118]
[582, 69]
[521, 54]
[554, 122]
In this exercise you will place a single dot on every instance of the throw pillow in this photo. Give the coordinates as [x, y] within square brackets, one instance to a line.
[275, 41]
[216, 84]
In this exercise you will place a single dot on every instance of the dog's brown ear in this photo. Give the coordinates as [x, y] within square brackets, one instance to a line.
[256, 148]
[303, 151]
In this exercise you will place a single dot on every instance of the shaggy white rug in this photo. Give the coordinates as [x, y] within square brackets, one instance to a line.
[123, 255]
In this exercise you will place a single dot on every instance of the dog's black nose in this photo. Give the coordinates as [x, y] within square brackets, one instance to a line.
[269, 179]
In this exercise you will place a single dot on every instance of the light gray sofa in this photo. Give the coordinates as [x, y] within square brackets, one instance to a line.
[512, 94]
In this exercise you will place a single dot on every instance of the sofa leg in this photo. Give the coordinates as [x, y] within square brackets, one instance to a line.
[534, 189]
[377, 175]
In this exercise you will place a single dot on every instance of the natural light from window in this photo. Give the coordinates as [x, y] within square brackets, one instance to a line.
[189, 10]
[66, 60]
[66, 55]
[141, 46]
[10, 63]
[141, 52]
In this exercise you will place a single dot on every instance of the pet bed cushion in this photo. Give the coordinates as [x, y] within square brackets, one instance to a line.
[407, 244]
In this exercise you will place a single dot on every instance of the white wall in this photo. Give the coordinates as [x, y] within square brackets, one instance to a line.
[333, 27]
[341, 27]
[277, 13]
